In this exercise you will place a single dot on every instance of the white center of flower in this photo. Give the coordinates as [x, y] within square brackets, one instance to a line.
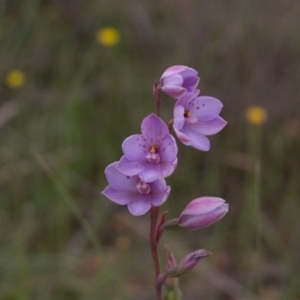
[153, 155]
[143, 187]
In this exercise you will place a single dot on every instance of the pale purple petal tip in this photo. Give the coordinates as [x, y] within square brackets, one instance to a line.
[121, 197]
[173, 70]
[197, 139]
[205, 108]
[167, 168]
[117, 180]
[140, 206]
[150, 173]
[174, 91]
[153, 129]
[211, 127]
[129, 167]
[160, 193]
[182, 137]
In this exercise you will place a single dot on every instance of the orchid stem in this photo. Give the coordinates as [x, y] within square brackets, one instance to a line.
[154, 221]
[153, 245]
[157, 97]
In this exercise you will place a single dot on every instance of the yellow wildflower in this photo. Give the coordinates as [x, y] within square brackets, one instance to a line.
[256, 115]
[15, 79]
[108, 36]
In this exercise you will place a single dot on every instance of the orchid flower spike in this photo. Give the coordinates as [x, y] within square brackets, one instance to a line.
[176, 81]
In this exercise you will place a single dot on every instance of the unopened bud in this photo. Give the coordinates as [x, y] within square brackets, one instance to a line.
[202, 212]
[176, 81]
[188, 263]
[171, 260]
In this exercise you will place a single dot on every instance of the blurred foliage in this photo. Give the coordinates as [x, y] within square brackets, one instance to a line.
[63, 118]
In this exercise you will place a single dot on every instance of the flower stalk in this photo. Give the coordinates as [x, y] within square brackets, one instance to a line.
[154, 213]
[137, 180]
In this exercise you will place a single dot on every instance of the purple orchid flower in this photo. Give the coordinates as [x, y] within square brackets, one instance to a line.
[195, 118]
[152, 154]
[178, 80]
[138, 195]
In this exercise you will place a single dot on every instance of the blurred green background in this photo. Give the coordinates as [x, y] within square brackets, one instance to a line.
[71, 93]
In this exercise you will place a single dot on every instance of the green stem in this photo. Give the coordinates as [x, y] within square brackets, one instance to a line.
[257, 203]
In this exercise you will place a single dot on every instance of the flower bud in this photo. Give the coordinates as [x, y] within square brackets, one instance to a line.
[188, 263]
[171, 260]
[171, 284]
[160, 227]
[178, 80]
[202, 212]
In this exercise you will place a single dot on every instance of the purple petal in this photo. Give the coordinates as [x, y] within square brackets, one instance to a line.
[173, 70]
[174, 91]
[205, 108]
[135, 147]
[121, 197]
[197, 139]
[210, 127]
[182, 137]
[168, 148]
[187, 98]
[159, 192]
[150, 173]
[129, 167]
[168, 168]
[140, 206]
[191, 260]
[203, 205]
[190, 78]
[174, 80]
[118, 180]
[204, 220]
[191, 83]
[179, 116]
[153, 129]
[189, 72]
